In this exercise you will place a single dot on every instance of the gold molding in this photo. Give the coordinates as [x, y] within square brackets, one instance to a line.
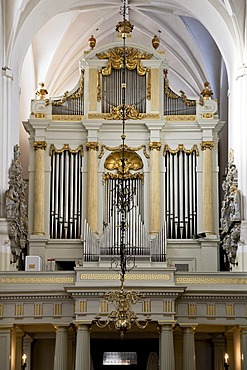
[92, 145]
[141, 116]
[127, 277]
[209, 281]
[38, 280]
[180, 147]
[149, 84]
[180, 118]
[76, 95]
[154, 145]
[39, 145]
[66, 147]
[172, 95]
[120, 147]
[207, 145]
[124, 111]
[133, 60]
[66, 117]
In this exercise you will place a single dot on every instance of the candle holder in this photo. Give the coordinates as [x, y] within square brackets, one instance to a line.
[226, 364]
[24, 362]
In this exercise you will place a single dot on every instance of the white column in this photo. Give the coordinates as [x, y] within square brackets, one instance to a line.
[5, 347]
[61, 348]
[167, 360]
[189, 355]
[82, 359]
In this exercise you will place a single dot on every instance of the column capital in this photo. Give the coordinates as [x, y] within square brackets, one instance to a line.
[92, 145]
[154, 145]
[61, 327]
[207, 145]
[39, 145]
[188, 327]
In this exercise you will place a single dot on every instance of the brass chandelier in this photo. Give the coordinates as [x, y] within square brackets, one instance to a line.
[123, 317]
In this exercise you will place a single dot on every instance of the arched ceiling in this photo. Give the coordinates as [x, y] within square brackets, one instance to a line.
[56, 33]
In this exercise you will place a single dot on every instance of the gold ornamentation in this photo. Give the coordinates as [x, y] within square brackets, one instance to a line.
[211, 309]
[124, 27]
[180, 148]
[229, 309]
[1, 310]
[192, 309]
[66, 147]
[92, 42]
[38, 280]
[39, 115]
[108, 175]
[207, 115]
[180, 118]
[115, 60]
[207, 93]
[92, 145]
[168, 306]
[42, 92]
[129, 112]
[76, 95]
[155, 42]
[207, 145]
[39, 145]
[210, 281]
[149, 84]
[151, 277]
[105, 116]
[132, 161]
[146, 306]
[38, 309]
[66, 117]
[57, 309]
[82, 306]
[154, 145]
[99, 86]
[120, 148]
[19, 309]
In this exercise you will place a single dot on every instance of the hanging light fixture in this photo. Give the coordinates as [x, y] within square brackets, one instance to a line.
[123, 317]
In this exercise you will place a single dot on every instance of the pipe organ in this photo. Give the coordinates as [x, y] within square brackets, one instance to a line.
[82, 168]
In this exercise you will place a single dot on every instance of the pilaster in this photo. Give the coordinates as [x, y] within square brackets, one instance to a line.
[189, 354]
[92, 186]
[154, 200]
[82, 360]
[61, 348]
[5, 347]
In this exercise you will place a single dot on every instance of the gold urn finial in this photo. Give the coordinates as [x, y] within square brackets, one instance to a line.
[155, 42]
[207, 93]
[42, 92]
[124, 27]
[92, 42]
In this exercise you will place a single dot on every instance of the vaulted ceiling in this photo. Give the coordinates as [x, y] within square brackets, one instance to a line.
[57, 32]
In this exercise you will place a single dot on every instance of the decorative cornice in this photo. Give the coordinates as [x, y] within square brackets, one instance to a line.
[181, 148]
[39, 145]
[92, 145]
[154, 145]
[207, 145]
[68, 148]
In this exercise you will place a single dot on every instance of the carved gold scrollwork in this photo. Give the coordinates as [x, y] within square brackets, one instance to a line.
[108, 175]
[132, 161]
[155, 145]
[92, 145]
[172, 95]
[129, 112]
[120, 148]
[77, 94]
[66, 147]
[115, 60]
[149, 84]
[180, 148]
[207, 145]
[39, 145]
[99, 86]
